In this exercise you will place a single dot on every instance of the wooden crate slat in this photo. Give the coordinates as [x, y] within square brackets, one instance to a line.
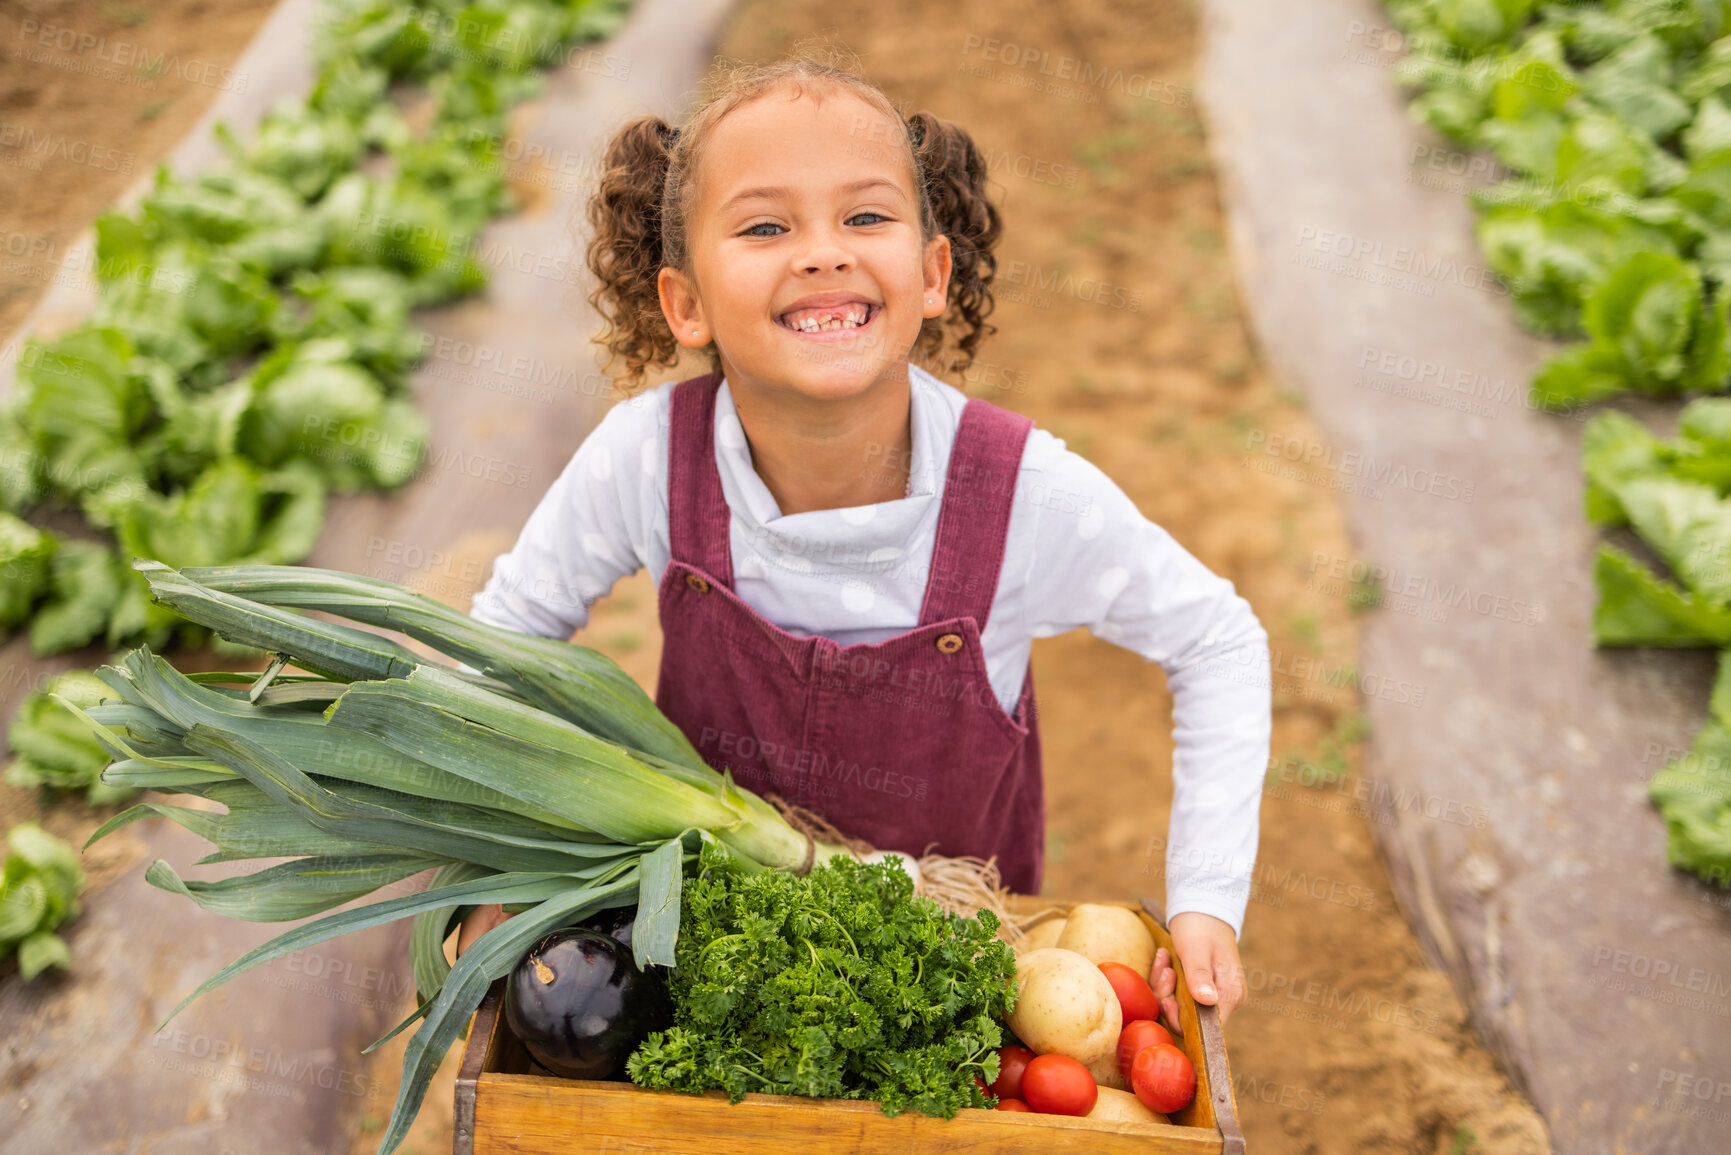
[528, 1115]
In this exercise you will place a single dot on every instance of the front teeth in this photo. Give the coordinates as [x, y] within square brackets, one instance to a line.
[852, 319]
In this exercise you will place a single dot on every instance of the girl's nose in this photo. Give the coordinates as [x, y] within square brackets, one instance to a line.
[825, 254]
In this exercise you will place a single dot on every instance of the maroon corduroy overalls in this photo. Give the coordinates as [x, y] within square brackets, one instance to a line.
[902, 742]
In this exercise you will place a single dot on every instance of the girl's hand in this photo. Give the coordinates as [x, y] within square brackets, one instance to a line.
[1209, 951]
[477, 923]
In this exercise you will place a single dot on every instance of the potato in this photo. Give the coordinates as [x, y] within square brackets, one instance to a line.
[1105, 1070]
[1103, 933]
[1123, 1107]
[1044, 935]
[1065, 1006]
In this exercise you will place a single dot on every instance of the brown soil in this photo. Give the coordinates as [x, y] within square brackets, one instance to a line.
[92, 94]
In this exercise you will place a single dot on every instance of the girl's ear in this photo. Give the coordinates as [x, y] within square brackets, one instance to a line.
[936, 270]
[682, 308]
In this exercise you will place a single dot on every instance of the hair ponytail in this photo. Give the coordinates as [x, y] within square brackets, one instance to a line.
[954, 177]
[625, 250]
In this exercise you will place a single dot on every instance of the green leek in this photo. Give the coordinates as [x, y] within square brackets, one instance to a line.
[548, 781]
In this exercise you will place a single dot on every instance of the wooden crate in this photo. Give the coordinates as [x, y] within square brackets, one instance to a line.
[503, 1109]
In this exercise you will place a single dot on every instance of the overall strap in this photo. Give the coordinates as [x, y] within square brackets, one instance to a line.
[697, 513]
[979, 490]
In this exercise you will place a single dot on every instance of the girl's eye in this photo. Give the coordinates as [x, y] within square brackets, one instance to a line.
[752, 231]
[867, 213]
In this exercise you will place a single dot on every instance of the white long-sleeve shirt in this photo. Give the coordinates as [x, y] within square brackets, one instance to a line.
[1078, 553]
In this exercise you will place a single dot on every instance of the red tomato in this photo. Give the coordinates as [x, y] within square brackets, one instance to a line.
[1135, 1036]
[1163, 1078]
[1134, 993]
[1059, 1085]
[1012, 1061]
[1014, 1105]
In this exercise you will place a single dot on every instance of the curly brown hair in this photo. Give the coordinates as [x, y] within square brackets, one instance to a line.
[649, 164]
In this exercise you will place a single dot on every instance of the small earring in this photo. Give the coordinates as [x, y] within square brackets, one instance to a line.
[694, 332]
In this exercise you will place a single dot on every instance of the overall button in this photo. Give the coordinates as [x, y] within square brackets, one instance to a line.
[697, 582]
[949, 643]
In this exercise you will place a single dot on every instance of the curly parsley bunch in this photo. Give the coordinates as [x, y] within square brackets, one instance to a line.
[840, 985]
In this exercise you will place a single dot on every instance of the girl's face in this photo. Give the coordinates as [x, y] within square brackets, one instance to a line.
[809, 271]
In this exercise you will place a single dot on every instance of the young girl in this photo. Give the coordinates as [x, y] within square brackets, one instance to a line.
[853, 558]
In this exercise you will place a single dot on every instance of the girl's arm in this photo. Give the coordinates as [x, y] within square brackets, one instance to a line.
[587, 532]
[1098, 563]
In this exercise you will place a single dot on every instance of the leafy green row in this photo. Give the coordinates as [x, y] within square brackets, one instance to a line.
[1614, 122]
[53, 747]
[1674, 494]
[39, 886]
[250, 349]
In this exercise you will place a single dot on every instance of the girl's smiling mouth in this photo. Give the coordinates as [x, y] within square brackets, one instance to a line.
[826, 320]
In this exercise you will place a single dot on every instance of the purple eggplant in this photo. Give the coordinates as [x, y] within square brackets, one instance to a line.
[581, 1006]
